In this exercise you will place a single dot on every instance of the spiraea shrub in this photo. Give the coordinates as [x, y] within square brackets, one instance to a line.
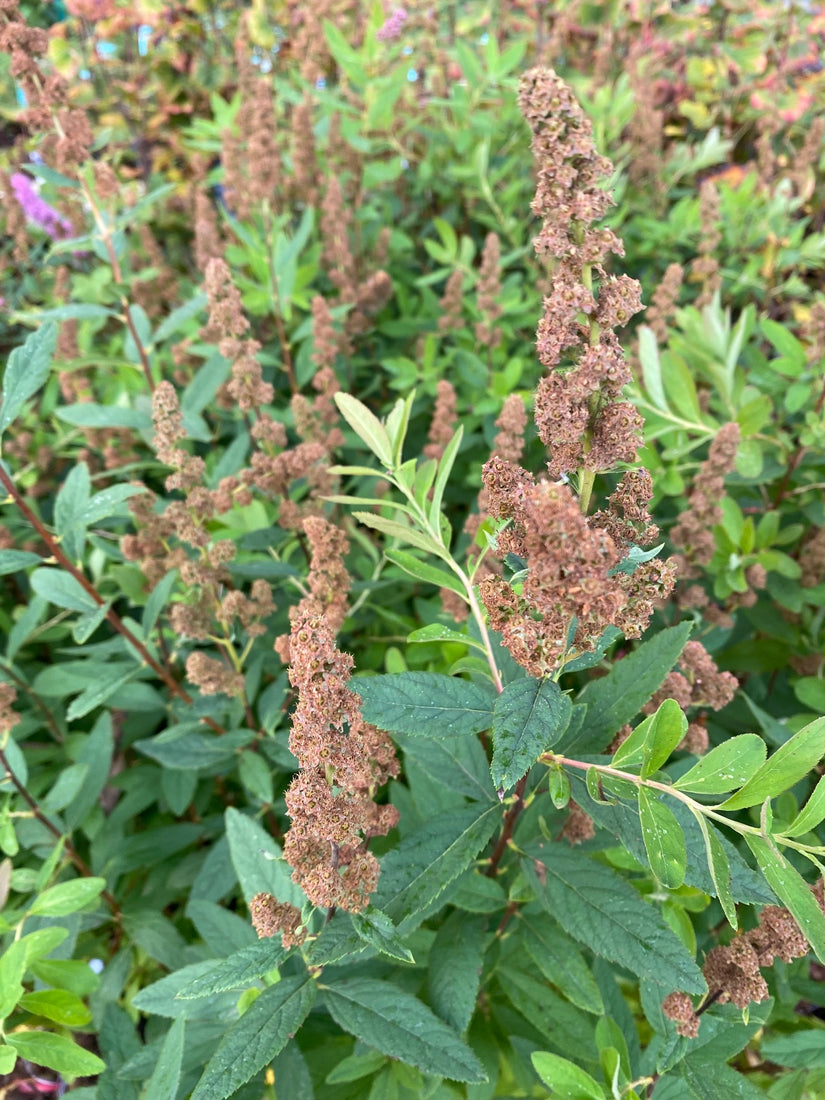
[412, 551]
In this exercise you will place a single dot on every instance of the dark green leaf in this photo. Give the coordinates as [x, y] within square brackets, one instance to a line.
[62, 589]
[664, 840]
[597, 907]
[616, 698]
[559, 959]
[455, 969]
[790, 763]
[234, 972]
[260, 1034]
[529, 717]
[26, 371]
[376, 929]
[427, 704]
[257, 860]
[414, 874]
[563, 1026]
[13, 560]
[163, 1084]
[397, 1024]
[805, 1049]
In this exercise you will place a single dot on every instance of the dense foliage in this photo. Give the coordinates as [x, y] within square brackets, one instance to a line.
[412, 665]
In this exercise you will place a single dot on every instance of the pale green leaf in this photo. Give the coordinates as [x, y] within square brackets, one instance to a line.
[664, 840]
[790, 763]
[26, 371]
[529, 717]
[726, 767]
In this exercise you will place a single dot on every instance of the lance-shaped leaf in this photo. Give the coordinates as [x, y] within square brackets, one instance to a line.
[398, 530]
[565, 1079]
[790, 763]
[399, 1025]
[238, 969]
[26, 371]
[792, 890]
[719, 867]
[366, 426]
[529, 718]
[455, 964]
[426, 704]
[811, 813]
[664, 840]
[667, 729]
[726, 767]
[376, 929]
[261, 1033]
[601, 910]
[424, 571]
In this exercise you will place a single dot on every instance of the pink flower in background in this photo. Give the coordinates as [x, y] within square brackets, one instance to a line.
[37, 209]
[393, 26]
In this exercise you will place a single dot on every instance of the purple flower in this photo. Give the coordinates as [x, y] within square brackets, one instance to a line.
[393, 26]
[38, 210]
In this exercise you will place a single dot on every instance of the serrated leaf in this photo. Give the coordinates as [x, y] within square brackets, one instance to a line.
[427, 860]
[803, 1049]
[559, 959]
[57, 1052]
[400, 1026]
[564, 1026]
[26, 371]
[790, 763]
[240, 969]
[726, 767]
[565, 1079]
[529, 717]
[616, 698]
[664, 840]
[601, 910]
[454, 969]
[792, 890]
[366, 426]
[425, 704]
[261, 1033]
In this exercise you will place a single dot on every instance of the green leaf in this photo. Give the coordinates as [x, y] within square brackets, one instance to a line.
[26, 371]
[719, 867]
[565, 1027]
[667, 729]
[376, 929]
[158, 599]
[792, 890]
[811, 813]
[559, 959]
[366, 425]
[424, 571]
[58, 1005]
[454, 968]
[529, 717]
[163, 1084]
[261, 1033]
[62, 589]
[89, 415]
[71, 974]
[96, 694]
[651, 367]
[565, 1079]
[57, 1052]
[726, 767]
[12, 969]
[805, 1049]
[425, 704]
[11, 561]
[398, 530]
[400, 1026]
[616, 698]
[427, 860]
[597, 907]
[257, 860]
[67, 897]
[8, 1057]
[790, 763]
[445, 466]
[664, 840]
[437, 632]
[355, 1067]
